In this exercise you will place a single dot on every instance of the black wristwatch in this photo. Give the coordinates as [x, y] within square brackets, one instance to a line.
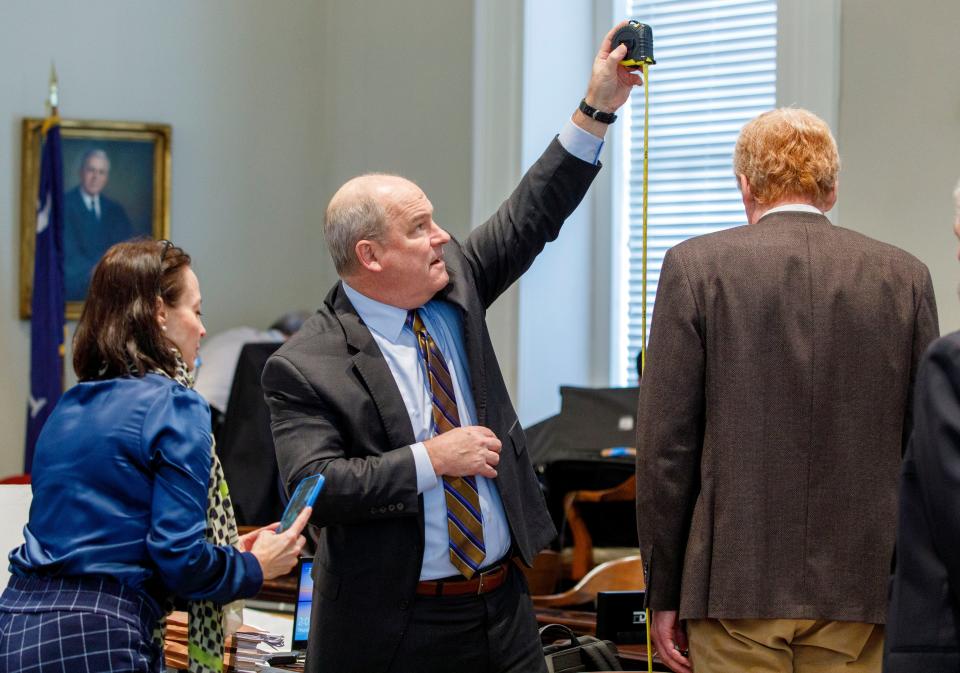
[594, 113]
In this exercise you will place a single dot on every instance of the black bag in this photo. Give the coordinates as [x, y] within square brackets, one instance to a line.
[584, 653]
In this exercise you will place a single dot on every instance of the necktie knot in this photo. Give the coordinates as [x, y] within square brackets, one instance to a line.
[415, 322]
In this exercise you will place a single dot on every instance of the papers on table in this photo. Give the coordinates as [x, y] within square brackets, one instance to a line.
[246, 651]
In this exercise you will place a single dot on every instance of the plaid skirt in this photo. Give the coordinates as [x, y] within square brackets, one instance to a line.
[76, 624]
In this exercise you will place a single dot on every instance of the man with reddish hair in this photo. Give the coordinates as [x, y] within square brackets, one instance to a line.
[773, 414]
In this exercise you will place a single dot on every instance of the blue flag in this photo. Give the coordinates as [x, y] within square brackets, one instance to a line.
[47, 304]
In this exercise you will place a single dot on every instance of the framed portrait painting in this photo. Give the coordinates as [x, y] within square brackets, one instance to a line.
[116, 181]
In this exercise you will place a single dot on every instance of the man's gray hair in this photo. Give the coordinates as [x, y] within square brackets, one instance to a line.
[95, 152]
[352, 216]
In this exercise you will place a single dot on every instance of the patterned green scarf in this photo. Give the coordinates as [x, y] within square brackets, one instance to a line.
[207, 620]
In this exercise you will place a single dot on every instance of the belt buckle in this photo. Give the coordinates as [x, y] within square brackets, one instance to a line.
[489, 573]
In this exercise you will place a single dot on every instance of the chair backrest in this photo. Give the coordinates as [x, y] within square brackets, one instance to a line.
[245, 445]
[625, 574]
[543, 576]
[582, 558]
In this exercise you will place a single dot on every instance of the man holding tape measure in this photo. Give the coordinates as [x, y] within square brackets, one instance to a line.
[774, 410]
[393, 392]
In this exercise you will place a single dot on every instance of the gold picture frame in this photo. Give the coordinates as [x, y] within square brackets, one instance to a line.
[136, 198]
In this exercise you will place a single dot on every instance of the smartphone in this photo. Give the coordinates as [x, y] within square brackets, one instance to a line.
[282, 659]
[304, 496]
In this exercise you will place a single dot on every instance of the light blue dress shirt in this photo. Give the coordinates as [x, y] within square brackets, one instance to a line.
[387, 325]
[398, 344]
[581, 144]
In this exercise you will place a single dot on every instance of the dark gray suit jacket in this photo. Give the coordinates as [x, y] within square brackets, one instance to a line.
[923, 625]
[773, 415]
[336, 410]
[86, 238]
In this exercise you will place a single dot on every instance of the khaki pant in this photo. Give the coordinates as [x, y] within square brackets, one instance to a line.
[784, 646]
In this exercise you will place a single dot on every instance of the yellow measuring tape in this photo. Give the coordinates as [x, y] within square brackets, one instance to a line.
[643, 281]
[646, 142]
[645, 69]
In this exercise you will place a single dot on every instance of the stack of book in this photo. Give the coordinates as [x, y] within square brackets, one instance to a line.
[253, 646]
[175, 643]
[245, 652]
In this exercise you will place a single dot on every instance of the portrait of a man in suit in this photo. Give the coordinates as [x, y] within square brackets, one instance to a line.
[115, 187]
[92, 223]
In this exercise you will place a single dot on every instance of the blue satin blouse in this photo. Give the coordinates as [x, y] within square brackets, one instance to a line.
[120, 477]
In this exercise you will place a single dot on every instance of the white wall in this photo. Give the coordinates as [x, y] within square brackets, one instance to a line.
[272, 106]
[556, 332]
[531, 69]
[237, 81]
[397, 95]
[899, 132]
[497, 135]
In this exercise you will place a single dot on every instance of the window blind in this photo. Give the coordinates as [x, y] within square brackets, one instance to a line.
[716, 69]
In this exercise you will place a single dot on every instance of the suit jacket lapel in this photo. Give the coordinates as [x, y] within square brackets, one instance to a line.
[373, 370]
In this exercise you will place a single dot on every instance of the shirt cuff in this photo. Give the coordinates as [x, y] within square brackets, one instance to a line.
[580, 143]
[426, 477]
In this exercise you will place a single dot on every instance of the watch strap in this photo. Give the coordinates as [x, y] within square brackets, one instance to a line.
[594, 113]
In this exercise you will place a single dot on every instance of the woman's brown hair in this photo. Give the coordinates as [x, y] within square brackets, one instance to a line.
[118, 327]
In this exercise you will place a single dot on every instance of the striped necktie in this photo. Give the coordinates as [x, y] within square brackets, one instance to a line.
[464, 521]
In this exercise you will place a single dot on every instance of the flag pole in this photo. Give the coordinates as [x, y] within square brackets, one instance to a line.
[53, 101]
[47, 322]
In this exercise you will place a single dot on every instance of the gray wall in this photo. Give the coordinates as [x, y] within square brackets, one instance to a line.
[397, 97]
[272, 106]
[899, 132]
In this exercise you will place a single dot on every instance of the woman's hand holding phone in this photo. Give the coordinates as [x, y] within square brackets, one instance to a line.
[247, 539]
[277, 553]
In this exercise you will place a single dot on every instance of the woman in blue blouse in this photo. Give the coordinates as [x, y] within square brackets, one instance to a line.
[129, 506]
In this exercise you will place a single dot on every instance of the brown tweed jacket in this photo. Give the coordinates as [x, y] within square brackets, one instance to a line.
[773, 415]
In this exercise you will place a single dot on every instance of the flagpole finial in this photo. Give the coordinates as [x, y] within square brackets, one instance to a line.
[53, 101]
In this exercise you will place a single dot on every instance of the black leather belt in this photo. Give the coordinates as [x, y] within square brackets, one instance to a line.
[481, 583]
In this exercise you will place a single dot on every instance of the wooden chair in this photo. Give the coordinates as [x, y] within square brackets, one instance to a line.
[544, 576]
[582, 556]
[625, 574]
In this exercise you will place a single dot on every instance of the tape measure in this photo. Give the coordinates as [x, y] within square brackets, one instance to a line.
[639, 40]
